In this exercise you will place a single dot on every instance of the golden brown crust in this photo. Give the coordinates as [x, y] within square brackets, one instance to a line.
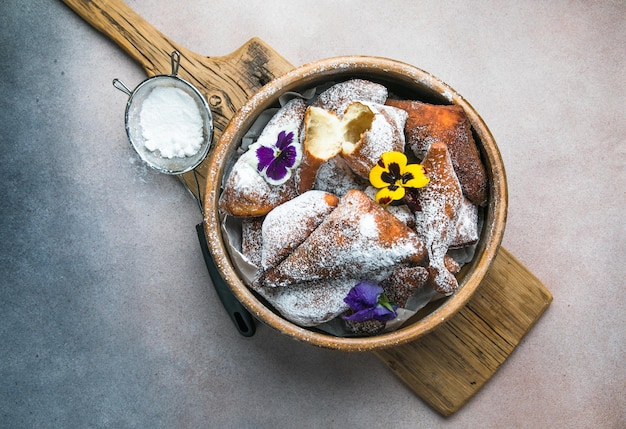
[247, 194]
[289, 224]
[428, 123]
[323, 137]
[357, 238]
[313, 255]
[440, 202]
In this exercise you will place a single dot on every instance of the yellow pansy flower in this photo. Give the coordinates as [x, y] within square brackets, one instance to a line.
[392, 174]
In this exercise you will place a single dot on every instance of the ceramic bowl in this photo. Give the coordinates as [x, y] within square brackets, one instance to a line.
[407, 82]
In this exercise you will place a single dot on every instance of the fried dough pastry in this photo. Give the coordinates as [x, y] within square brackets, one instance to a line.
[436, 222]
[403, 283]
[336, 177]
[289, 224]
[311, 303]
[360, 136]
[357, 238]
[246, 193]
[340, 95]
[428, 123]
[326, 134]
[386, 134]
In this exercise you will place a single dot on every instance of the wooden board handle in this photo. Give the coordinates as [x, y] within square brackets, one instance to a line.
[226, 82]
[232, 78]
[144, 43]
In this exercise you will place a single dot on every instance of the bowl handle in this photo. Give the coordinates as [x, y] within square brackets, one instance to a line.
[240, 316]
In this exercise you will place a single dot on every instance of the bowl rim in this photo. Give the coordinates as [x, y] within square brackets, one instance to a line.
[341, 68]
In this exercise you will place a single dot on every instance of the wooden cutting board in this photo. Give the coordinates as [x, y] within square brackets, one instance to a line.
[445, 368]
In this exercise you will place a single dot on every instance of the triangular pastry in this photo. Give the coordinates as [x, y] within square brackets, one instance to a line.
[246, 192]
[309, 304]
[357, 238]
[288, 225]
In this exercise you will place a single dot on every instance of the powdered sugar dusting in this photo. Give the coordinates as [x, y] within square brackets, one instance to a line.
[246, 193]
[385, 135]
[346, 244]
[467, 225]
[336, 177]
[340, 95]
[368, 227]
[289, 224]
[314, 252]
[309, 304]
[436, 222]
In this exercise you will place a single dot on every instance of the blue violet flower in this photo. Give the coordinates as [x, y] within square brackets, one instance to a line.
[277, 157]
[368, 301]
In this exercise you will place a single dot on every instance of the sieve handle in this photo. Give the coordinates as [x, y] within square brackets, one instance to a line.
[239, 315]
[175, 62]
[119, 85]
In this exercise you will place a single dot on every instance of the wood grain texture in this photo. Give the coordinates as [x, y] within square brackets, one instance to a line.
[226, 82]
[447, 367]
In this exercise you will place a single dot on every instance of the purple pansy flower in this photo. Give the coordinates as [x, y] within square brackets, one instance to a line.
[277, 158]
[368, 301]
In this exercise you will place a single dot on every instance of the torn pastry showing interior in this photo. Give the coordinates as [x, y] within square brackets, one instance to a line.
[349, 208]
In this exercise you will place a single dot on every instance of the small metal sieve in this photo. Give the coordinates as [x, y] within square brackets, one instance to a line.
[240, 316]
[137, 97]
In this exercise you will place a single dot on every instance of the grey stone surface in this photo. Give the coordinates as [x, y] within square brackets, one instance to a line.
[107, 317]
